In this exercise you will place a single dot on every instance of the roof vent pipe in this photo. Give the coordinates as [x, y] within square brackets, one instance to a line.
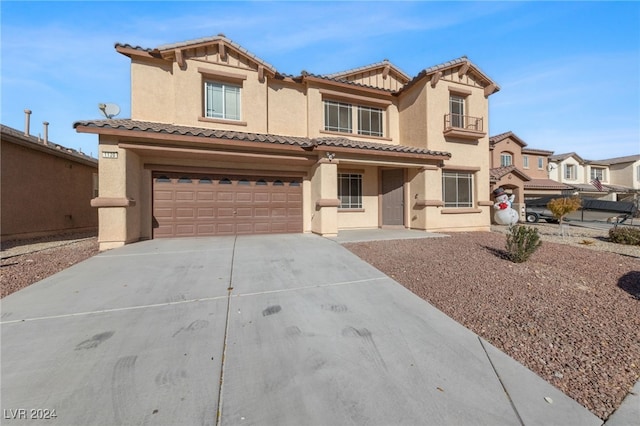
[27, 116]
[46, 132]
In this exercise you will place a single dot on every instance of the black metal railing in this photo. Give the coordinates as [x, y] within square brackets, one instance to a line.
[466, 122]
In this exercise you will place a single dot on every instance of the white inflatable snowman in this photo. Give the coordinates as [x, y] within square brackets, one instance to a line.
[504, 214]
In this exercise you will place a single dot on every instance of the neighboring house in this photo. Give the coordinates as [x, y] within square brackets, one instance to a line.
[618, 177]
[46, 189]
[220, 142]
[521, 171]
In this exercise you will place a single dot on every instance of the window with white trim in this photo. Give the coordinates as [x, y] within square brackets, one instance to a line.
[525, 161]
[344, 117]
[638, 173]
[506, 159]
[369, 121]
[457, 189]
[598, 173]
[222, 100]
[540, 163]
[456, 109]
[350, 190]
[570, 171]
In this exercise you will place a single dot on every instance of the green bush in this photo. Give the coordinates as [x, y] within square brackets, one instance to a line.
[522, 242]
[625, 235]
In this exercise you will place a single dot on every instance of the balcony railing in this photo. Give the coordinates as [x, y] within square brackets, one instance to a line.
[463, 126]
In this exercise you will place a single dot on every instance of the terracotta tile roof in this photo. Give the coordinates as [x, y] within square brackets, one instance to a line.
[384, 63]
[545, 184]
[342, 80]
[349, 143]
[560, 157]
[502, 136]
[162, 128]
[10, 134]
[450, 64]
[498, 173]
[537, 151]
[146, 126]
[616, 160]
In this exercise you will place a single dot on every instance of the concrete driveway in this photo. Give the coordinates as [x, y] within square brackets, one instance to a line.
[256, 330]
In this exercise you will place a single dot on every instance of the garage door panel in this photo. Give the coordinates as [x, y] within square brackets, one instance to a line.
[261, 197]
[225, 212]
[163, 212]
[244, 197]
[185, 230]
[185, 213]
[163, 195]
[206, 213]
[185, 195]
[225, 196]
[261, 212]
[199, 204]
[205, 195]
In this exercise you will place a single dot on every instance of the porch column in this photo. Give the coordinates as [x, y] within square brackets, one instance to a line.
[324, 196]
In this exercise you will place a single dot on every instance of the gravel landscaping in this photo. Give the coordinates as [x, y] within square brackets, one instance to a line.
[571, 313]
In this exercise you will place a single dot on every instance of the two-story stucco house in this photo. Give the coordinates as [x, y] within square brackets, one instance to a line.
[520, 170]
[617, 178]
[220, 142]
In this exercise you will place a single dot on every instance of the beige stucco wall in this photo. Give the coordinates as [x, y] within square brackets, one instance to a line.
[368, 216]
[626, 174]
[43, 194]
[152, 91]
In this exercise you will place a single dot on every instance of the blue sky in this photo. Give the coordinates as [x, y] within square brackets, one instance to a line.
[569, 72]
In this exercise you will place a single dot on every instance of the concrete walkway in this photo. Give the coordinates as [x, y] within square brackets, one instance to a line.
[260, 330]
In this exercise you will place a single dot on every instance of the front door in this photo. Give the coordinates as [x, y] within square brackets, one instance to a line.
[393, 197]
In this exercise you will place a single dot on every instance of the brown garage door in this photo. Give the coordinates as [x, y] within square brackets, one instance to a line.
[189, 205]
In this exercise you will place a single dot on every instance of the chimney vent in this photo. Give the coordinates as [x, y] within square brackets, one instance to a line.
[27, 116]
[46, 132]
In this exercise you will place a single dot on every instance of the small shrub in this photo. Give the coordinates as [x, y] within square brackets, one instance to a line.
[522, 242]
[625, 235]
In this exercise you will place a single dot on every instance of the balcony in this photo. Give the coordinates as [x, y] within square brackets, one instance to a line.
[463, 126]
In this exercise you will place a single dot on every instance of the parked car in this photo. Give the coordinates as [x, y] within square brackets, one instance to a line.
[534, 213]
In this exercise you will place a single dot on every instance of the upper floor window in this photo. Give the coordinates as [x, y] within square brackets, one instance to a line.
[570, 171]
[599, 174]
[456, 108]
[506, 159]
[525, 161]
[638, 173]
[340, 117]
[337, 117]
[221, 100]
[540, 163]
[369, 121]
[457, 189]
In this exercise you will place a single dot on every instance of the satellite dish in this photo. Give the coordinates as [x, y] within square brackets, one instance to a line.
[109, 110]
[551, 166]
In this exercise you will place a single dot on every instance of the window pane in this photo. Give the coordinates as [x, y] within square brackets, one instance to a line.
[337, 117]
[222, 101]
[370, 121]
[232, 103]
[457, 189]
[350, 190]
